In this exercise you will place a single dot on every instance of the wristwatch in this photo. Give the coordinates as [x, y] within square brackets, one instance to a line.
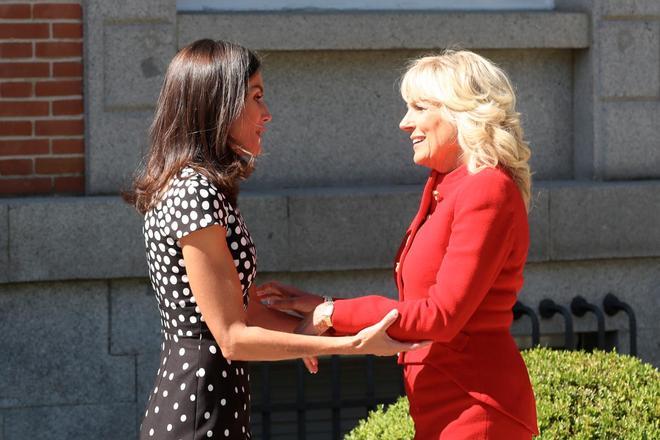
[326, 311]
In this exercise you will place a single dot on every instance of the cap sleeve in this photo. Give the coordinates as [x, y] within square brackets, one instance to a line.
[193, 203]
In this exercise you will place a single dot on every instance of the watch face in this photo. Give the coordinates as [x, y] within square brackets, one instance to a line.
[327, 313]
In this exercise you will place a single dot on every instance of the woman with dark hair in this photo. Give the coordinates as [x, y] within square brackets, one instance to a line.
[205, 135]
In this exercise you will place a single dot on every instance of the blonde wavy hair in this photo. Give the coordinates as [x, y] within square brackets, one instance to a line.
[477, 97]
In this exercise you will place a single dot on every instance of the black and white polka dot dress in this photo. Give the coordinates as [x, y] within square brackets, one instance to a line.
[198, 394]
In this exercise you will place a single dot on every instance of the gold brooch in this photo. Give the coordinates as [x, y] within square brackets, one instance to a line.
[436, 195]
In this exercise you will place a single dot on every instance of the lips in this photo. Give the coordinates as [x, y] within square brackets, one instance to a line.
[416, 141]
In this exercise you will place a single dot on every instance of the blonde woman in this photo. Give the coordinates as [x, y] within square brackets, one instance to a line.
[460, 265]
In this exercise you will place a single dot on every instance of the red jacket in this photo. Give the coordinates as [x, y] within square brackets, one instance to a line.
[458, 273]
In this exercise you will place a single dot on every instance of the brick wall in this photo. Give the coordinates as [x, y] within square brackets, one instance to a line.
[41, 102]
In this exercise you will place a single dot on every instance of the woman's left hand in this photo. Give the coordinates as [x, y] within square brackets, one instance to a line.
[312, 364]
[287, 298]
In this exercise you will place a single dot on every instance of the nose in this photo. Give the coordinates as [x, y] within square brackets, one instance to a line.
[266, 116]
[406, 123]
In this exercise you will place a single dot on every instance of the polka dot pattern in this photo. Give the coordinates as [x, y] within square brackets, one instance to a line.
[193, 395]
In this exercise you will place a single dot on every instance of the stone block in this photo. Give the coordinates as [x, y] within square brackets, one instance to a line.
[335, 121]
[543, 82]
[55, 347]
[348, 133]
[585, 6]
[584, 102]
[648, 345]
[136, 10]
[629, 58]
[604, 220]
[349, 228]
[136, 57]
[351, 89]
[212, 6]
[98, 13]
[117, 142]
[114, 141]
[147, 366]
[628, 8]
[585, 110]
[113, 421]
[266, 218]
[339, 284]
[351, 30]
[100, 237]
[134, 318]
[4, 242]
[71, 238]
[629, 147]
[539, 225]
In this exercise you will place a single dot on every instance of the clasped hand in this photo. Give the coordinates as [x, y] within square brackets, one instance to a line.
[287, 298]
[370, 340]
[290, 299]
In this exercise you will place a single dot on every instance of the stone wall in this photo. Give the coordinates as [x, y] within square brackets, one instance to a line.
[335, 189]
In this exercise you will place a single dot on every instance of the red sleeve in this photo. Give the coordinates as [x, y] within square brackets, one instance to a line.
[477, 250]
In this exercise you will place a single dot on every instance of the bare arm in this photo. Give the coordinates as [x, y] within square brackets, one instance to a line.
[215, 284]
[262, 316]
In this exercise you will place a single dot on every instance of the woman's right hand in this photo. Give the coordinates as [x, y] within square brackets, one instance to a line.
[375, 340]
[287, 298]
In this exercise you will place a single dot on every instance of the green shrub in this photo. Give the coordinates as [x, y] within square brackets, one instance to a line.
[578, 396]
[391, 423]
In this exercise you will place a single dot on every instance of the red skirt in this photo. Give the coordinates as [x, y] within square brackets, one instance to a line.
[442, 410]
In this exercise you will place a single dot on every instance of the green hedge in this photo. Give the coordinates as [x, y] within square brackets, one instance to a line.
[578, 396]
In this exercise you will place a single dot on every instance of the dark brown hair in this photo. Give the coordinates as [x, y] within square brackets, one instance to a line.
[202, 95]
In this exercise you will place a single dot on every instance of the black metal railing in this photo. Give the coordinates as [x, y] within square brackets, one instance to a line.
[336, 403]
[612, 305]
[548, 308]
[520, 309]
[579, 307]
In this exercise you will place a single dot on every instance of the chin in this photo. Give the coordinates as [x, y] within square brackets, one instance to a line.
[421, 161]
[254, 150]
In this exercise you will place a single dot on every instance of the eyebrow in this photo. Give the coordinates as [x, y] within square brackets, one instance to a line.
[261, 89]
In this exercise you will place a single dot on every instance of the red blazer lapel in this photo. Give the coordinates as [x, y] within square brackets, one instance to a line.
[412, 230]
